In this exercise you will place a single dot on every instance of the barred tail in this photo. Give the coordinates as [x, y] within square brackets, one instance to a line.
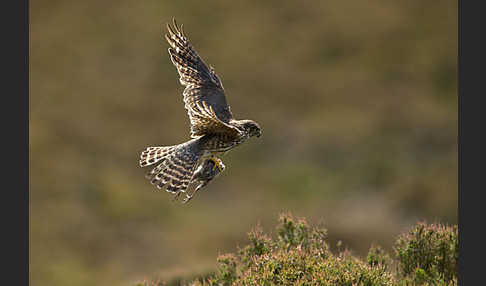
[176, 165]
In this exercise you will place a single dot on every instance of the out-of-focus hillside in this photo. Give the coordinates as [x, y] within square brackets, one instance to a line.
[357, 101]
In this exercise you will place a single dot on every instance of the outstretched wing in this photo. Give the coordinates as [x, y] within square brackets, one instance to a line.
[204, 94]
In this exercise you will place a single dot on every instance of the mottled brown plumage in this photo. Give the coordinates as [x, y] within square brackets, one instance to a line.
[213, 128]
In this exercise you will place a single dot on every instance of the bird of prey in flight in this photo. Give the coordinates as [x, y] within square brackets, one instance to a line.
[214, 131]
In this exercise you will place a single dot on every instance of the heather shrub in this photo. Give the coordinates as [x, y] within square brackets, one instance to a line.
[429, 254]
[298, 254]
[152, 283]
[377, 257]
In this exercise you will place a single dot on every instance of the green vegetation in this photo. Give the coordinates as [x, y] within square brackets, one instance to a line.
[300, 255]
[429, 254]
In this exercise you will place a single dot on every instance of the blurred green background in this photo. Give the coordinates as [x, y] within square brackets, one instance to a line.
[357, 101]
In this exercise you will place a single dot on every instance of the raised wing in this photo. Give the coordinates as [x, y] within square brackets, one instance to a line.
[204, 93]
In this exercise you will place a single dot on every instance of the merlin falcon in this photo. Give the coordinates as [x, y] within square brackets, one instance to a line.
[214, 131]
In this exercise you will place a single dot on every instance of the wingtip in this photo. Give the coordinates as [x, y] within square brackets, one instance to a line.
[182, 30]
[169, 29]
[174, 22]
[167, 38]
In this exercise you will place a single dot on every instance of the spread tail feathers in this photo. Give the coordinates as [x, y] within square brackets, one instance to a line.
[176, 165]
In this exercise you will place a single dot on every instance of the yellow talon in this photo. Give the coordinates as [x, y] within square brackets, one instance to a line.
[216, 164]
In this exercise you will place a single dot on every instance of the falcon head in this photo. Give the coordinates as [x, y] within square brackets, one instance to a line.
[250, 127]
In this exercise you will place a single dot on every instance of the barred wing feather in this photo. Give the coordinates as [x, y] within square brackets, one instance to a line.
[204, 96]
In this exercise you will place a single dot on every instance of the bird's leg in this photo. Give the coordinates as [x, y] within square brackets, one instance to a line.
[189, 197]
[206, 173]
[217, 163]
[176, 196]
